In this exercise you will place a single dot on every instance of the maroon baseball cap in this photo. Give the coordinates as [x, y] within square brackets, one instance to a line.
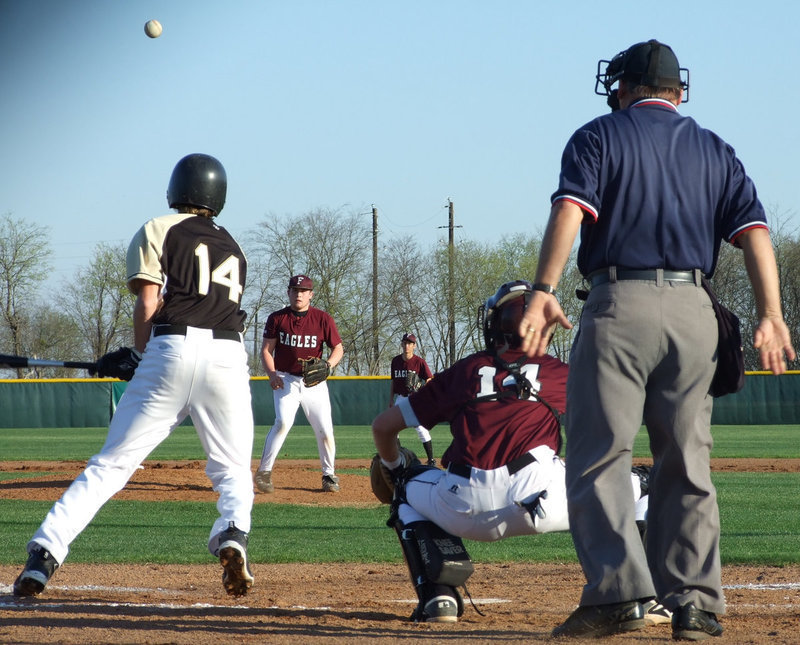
[410, 338]
[301, 282]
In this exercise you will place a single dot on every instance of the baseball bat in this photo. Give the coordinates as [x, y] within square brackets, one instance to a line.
[7, 360]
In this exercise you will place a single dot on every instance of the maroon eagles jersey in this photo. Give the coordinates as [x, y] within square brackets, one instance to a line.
[300, 336]
[488, 434]
[200, 266]
[400, 367]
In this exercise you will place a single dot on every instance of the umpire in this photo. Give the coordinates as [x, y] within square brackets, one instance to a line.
[653, 195]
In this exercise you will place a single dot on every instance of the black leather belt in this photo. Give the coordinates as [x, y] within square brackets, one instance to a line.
[514, 466]
[180, 330]
[650, 275]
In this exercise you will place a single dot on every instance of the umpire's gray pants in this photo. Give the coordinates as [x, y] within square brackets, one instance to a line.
[644, 352]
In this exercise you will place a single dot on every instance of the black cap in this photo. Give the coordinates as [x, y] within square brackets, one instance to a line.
[650, 63]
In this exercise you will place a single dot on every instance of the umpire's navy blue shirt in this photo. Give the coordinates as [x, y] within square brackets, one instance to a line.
[657, 190]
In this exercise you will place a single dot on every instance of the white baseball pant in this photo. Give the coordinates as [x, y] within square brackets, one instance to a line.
[194, 375]
[316, 404]
[485, 507]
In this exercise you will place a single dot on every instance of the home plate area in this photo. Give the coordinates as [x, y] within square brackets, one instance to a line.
[345, 602]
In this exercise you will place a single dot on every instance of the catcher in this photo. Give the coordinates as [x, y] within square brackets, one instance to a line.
[409, 373]
[503, 474]
[291, 353]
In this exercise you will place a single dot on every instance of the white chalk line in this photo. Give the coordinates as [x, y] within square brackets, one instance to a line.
[765, 587]
[7, 589]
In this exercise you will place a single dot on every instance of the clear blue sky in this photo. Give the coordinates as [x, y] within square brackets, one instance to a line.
[345, 104]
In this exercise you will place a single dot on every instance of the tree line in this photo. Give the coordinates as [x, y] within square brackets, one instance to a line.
[91, 314]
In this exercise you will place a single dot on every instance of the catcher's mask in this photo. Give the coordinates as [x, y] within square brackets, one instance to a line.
[501, 314]
[198, 180]
[651, 63]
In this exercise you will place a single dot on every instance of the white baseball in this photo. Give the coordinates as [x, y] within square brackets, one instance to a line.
[153, 28]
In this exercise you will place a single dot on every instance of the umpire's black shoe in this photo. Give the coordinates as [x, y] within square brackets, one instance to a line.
[593, 621]
[692, 624]
[39, 568]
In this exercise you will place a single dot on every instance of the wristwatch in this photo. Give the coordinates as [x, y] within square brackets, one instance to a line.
[541, 286]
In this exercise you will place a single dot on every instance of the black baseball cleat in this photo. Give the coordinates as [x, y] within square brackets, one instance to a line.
[236, 575]
[39, 568]
[593, 621]
[330, 483]
[692, 624]
[443, 604]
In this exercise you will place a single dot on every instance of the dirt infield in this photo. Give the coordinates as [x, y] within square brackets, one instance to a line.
[334, 603]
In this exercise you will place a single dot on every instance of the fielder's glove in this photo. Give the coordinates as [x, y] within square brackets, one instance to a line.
[315, 370]
[120, 364]
[383, 480]
[413, 382]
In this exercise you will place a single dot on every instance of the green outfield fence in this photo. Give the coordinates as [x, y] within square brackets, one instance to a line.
[80, 403]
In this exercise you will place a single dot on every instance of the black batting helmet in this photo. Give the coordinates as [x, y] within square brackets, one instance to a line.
[198, 180]
[502, 313]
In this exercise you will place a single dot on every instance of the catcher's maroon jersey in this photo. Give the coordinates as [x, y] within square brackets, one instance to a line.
[401, 367]
[490, 433]
[300, 335]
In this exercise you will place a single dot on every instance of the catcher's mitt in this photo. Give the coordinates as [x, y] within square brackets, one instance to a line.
[315, 370]
[383, 480]
[413, 382]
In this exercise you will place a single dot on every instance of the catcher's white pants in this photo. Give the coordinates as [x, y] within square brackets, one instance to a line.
[316, 403]
[422, 432]
[195, 375]
[485, 507]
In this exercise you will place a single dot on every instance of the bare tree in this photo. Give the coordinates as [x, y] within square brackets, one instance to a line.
[100, 303]
[332, 248]
[51, 334]
[24, 264]
[404, 271]
[733, 288]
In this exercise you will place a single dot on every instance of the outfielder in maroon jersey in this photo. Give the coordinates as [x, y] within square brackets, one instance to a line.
[504, 476]
[409, 373]
[296, 332]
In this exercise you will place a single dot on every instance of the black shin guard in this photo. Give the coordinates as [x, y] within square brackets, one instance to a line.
[429, 552]
[445, 559]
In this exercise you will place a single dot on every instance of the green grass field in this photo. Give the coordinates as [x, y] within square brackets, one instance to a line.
[760, 511]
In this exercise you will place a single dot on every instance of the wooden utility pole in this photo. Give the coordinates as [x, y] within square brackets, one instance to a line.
[451, 295]
[375, 350]
[256, 353]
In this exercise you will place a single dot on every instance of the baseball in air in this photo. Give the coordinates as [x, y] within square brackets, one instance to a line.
[152, 28]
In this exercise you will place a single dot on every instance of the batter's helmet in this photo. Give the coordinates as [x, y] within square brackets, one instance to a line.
[198, 180]
[651, 63]
[501, 315]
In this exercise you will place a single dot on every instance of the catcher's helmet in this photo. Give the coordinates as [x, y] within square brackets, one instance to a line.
[501, 315]
[651, 63]
[198, 180]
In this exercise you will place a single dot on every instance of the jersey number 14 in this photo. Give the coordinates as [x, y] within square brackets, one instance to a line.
[529, 372]
[226, 274]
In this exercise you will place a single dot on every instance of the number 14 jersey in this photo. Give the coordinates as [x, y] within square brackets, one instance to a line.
[201, 268]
